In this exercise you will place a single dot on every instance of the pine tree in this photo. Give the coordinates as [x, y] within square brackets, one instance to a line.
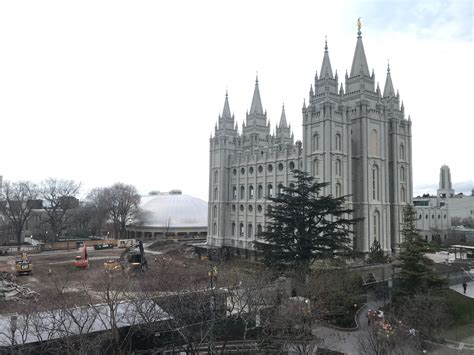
[416, 273]
[376, 254]
[304, 226]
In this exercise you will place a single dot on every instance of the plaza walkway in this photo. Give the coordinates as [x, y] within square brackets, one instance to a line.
[469, 290]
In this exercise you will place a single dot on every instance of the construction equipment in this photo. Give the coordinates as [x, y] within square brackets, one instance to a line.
[23, 265]
[82, 261]
[135, 258]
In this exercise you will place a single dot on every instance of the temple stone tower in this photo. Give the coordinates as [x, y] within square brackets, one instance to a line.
[355, 137]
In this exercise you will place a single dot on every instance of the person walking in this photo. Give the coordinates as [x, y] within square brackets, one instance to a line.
[464, 286]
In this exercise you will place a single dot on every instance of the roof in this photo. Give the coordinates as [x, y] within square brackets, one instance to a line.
[168, 210]
[56, 324]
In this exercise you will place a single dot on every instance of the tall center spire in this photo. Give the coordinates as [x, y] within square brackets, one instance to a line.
[256, 107]
[226, 111]
[359, 62]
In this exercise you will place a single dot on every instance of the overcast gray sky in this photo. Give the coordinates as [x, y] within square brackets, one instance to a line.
[130, 91]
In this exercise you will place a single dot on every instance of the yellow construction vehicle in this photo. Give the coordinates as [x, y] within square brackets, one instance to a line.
[23, 265]
[135, 258]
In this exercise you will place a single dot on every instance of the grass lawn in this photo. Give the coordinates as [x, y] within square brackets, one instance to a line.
[463, 314]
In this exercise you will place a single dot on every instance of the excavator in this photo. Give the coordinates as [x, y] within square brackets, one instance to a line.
[135, 258]
[23, 265]
[82, 261]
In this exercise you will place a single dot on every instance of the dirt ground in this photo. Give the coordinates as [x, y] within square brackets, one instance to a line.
[169, 270]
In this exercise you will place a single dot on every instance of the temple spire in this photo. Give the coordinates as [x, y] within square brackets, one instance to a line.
[283, 118]
[326, 70]
[359, 62]
[388, 90]
[256, 107]
[226, 111]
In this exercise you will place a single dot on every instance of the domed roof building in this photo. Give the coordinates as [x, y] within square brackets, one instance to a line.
[170, 215]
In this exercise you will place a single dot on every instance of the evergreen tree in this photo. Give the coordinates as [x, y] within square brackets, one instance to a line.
[376, 254]
[304, 226]
[416, 273]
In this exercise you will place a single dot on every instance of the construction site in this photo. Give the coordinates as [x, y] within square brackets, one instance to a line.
[80, 274]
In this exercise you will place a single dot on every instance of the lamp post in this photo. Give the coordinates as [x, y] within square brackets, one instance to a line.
[13, 327]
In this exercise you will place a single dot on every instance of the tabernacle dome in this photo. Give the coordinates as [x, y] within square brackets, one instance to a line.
[169, 215]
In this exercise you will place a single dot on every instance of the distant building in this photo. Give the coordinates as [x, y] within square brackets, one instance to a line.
[435, 213]
[433, 220]
[170, 215]
[355, 137]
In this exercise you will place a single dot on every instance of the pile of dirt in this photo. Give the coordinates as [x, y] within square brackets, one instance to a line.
[9, 289]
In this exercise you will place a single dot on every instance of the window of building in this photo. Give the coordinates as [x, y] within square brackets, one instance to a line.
[234, 192]
[270, 168]
[260, 192]
[292, 165]
[280, 167]
[315, 167]
[260, 169]
[439, 216]
[426, 238]
[426, 217]
[270, 190]
[280, 189]
[250, 230]
[259, 228]
[233, 208]
[215, 212]
[250, 208]
[338, 167]
[251, 194]
[375, 182]
[242, 171]
[374, 143]
[315, 145]
[376, 223]
[234, 171]
[241, 229]
[445, 215]
[215, 194]
[338, 142]
[259, 208]
[402, 152]
[419, 216]
[432, 216]
[242, 208]
[216, 175]
[338, 190]
[251, 170]
[242, 192]
[403, 195]
[214, 228]
[402, 174]
[233, 229]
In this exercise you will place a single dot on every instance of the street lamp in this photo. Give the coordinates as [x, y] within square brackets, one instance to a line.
[212, 276]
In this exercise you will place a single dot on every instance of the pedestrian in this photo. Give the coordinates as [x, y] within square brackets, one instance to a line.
[464, 286]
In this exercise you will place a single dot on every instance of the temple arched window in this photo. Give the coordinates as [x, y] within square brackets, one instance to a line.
[270, 190]
[315, 142]
[375, 182]
[251, 193]
[338, 146]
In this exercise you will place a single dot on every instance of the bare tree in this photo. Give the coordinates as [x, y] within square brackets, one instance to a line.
[98, 205]
[17, 201]
[59, 197]
[124, 201]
